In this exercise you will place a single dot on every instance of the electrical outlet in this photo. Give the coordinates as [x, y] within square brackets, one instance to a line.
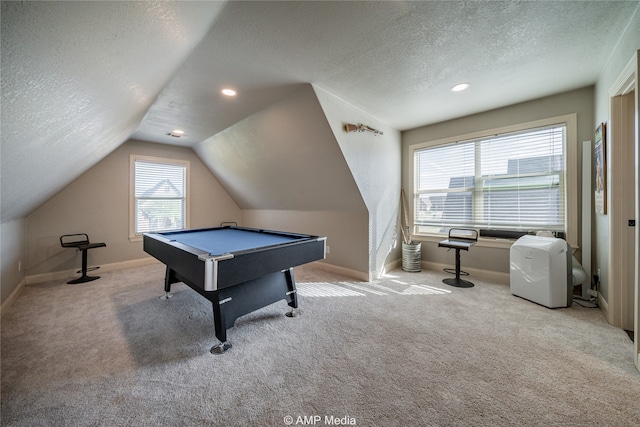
[598, 272]
[328, 249]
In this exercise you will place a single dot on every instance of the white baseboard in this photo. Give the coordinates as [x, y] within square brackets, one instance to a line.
[359, 275]
[7, 302]
[392, 266]
[604, 307]
[70, 274]
[492, 276]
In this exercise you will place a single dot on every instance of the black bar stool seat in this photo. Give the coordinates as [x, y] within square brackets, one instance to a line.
[459, 239]
[81, 242]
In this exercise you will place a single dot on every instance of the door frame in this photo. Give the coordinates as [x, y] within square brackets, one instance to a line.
[626, 82]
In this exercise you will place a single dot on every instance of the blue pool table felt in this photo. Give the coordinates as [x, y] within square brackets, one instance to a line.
[228, 240]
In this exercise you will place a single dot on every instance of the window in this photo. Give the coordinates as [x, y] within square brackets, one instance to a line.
[159, 195]
[510, 180]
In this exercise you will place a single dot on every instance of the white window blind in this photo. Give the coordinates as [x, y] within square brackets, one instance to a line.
[160, 196]
[513, 181]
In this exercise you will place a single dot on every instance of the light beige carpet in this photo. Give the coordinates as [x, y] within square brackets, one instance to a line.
[405, 350]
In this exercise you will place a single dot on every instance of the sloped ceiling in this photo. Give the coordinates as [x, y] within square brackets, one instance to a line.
[284, 157]
[78, 79]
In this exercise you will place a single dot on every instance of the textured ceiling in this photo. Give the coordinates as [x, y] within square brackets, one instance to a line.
[395, 60]
[80, 78]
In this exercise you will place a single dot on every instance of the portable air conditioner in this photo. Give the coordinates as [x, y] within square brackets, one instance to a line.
[540, 271]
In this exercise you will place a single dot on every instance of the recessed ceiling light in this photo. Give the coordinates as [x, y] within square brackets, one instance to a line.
[229, 92]
[460, 87]
[176, 133]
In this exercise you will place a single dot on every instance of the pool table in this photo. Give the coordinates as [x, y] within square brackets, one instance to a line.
[238, 269]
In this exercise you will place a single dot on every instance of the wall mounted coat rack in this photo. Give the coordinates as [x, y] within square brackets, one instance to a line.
[362, 128]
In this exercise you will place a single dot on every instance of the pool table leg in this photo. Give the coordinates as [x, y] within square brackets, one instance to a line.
[220, 348]
[221, 329]
[169, 278]
[291, 284]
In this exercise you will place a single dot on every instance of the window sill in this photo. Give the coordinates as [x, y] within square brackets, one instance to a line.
[135, 238]
[486, 242]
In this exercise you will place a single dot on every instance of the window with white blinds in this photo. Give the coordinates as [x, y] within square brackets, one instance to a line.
[511, 181]
[159, 194]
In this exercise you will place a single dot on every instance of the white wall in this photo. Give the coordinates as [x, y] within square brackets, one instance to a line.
[12, 256]
[375, 162]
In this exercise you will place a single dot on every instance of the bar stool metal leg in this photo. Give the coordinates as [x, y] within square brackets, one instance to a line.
[457, 281]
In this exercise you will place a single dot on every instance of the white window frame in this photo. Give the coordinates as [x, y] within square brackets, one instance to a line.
[133, 236]
[571, 174]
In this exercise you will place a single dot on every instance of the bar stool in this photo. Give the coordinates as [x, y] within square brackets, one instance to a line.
[459, 239]
[81, 242]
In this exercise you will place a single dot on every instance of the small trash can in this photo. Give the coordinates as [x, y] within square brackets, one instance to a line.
[411, 256]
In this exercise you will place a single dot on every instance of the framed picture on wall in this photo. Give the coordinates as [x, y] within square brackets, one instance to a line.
[600, 164]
